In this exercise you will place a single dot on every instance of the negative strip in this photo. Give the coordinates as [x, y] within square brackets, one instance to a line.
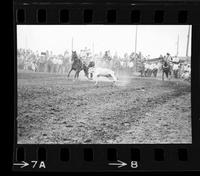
[104, 97]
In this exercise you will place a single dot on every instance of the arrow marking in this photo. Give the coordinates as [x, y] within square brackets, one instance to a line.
[23, 164]
[119, 164]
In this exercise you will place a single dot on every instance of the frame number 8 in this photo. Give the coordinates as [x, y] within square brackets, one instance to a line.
[134, 164]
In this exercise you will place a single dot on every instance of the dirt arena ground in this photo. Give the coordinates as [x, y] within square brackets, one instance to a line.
[53, 109]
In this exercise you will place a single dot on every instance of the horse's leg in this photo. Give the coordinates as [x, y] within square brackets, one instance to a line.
[174, 73]
[75, 76]
[150, 73]
[163, 75]
[167, 74]
[156, 72]
[69, 72]
[170, 74]
[143, 73]
[96, 79]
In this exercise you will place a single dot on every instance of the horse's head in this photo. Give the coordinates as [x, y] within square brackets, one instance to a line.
[74, 56]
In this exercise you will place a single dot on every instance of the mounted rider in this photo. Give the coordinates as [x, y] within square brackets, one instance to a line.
[169, 60]
[166, 66]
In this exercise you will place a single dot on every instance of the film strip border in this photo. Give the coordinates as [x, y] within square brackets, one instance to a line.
[107, 13]
[110, 157]
[106, 158]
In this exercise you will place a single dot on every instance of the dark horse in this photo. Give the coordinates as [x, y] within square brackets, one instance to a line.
[78, 65]
[166, 69]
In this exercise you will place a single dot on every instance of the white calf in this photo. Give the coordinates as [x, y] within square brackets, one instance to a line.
[102, 72]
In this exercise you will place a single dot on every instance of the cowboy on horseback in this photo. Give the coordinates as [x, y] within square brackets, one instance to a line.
[166, 66]
[78, 65]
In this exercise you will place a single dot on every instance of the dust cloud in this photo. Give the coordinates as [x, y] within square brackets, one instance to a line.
[123, 79]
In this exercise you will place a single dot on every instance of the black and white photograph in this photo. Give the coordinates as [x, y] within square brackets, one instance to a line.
[104, 84]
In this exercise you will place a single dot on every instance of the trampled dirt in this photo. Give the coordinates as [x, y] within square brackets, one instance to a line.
[53, 109]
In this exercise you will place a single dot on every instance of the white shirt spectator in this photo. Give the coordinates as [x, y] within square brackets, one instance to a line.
[175, 59]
